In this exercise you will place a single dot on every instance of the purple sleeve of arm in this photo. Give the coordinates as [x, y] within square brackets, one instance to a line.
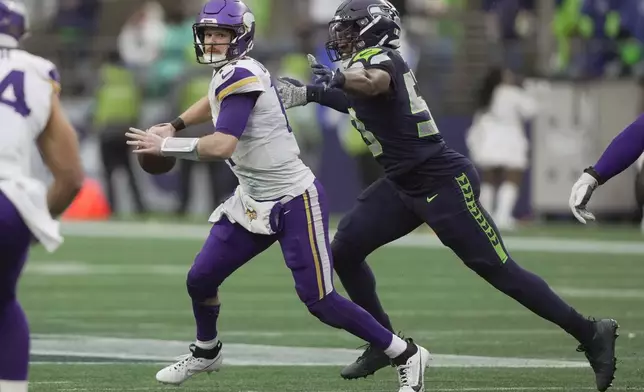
[622, 152]
[54, 75]
[234, 113]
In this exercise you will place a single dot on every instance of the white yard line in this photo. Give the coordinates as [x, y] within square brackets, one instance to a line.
[87, 347]
[167, 231]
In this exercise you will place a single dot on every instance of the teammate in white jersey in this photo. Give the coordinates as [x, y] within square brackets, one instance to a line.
[32, 118]
[278, 199]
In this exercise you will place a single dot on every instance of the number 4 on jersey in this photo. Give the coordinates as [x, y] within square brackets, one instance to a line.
[12, 92]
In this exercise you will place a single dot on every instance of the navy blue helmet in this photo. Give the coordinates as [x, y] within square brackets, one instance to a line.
[359, 24]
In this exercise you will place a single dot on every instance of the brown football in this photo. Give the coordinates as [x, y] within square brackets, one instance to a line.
[155, 164]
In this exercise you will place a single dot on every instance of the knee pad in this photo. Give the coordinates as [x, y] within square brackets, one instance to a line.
[326, 310]
[199, 287]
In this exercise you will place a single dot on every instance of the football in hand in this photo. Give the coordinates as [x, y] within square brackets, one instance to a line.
[153, 164]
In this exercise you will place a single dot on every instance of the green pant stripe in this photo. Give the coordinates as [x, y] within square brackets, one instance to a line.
[470, 201]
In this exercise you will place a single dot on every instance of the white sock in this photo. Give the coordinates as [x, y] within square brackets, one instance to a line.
[487, 196]
[209, 345]
[13, 386]
[397, 347]
[507, 198]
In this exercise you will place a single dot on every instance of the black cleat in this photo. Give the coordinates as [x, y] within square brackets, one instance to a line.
[371, 360]
[600, 352]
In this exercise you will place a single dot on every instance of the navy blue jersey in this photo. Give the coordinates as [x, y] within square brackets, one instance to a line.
[398, 126]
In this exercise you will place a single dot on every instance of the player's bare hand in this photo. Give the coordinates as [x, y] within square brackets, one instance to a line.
[145, 142]
[164, 130]
[580, 195]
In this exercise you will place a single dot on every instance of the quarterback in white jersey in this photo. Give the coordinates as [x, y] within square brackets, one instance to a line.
[31, 118]
[278, 199]
[266, 159]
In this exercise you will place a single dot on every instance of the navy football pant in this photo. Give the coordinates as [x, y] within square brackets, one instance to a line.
[384, 213]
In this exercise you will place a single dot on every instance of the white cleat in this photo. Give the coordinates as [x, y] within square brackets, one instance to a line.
[198, 361]
[411, 375]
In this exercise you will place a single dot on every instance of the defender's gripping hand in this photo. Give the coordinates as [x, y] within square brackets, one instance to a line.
[292, 92]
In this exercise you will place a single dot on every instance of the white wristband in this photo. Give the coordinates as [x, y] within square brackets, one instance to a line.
[180, 147]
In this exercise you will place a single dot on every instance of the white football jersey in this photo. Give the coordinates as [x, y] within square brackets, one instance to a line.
[27, 83]
[266, 160]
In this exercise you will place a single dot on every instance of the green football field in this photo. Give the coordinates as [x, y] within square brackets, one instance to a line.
[109, 309]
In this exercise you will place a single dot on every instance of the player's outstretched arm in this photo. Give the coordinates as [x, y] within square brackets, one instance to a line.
[232, 120]
[355, 81]
[294, 93]
[622, 152]
[198, 113]
[58, 145]
[363, 82]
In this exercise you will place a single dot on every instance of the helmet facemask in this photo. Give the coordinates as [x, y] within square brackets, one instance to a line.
[344, 40]
[204, 50]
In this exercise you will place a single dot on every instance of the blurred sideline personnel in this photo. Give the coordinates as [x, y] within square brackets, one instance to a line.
[278, 200]
[118, 103]
[222, 182]
[425, 182]
[32, 116]
[498, 143]
[625, 149]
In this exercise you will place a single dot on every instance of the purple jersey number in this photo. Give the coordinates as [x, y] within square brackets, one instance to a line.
[14, 81]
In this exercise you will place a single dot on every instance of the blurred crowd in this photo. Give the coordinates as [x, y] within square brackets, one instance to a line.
[120, 57]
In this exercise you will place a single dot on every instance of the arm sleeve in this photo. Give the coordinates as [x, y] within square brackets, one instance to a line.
[622, 152]
[235, 112]
[333, 98]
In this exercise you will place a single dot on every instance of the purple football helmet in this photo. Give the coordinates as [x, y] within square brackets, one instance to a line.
[13, 19]
[231, 15]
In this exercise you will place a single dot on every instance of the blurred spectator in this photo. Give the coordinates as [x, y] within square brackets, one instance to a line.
[191, 87]
[117, 107]
[498, 144]
[176, 52]
[142, 35]
[41, 12]
[510, 23]
[262, 11]
[431, 35]
[611, 49]
[75, 26]
[303, 119]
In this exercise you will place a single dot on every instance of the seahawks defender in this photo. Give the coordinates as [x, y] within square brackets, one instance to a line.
[32, 119]
[425, 182]
[278, 199]
[622, 152]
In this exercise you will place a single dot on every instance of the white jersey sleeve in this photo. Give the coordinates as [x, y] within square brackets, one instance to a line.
[238, 78]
